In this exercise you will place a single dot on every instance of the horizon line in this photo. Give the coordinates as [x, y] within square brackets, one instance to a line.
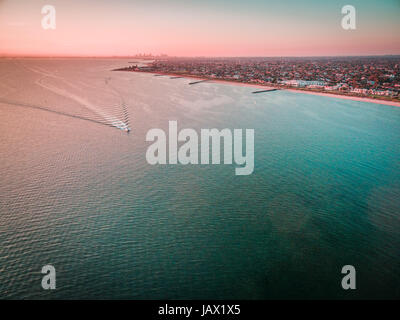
[200, 56]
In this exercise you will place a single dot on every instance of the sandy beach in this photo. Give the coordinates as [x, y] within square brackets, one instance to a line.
[193, 77]
[259, 86]
[332, 95]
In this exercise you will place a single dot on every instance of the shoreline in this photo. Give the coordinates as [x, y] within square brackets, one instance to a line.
[266, 87]
[346, 97]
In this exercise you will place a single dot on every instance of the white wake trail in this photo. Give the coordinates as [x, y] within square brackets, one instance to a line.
[112, 120]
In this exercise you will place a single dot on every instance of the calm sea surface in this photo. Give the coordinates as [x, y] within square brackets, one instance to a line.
[79, 195]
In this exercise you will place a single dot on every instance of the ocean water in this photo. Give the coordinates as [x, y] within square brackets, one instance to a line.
[78, 193]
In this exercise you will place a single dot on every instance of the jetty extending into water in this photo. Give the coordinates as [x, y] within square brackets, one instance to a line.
[267, 90]
[194, 82]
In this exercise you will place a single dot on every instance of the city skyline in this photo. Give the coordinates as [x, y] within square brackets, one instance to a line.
[212, 29]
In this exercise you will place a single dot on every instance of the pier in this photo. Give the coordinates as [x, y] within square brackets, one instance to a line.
[194, 82]
[267, 90]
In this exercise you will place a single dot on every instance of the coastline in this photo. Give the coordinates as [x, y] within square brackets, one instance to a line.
[342, 96]
[266, 87]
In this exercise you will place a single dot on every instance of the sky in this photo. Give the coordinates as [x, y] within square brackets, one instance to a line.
[199, 28]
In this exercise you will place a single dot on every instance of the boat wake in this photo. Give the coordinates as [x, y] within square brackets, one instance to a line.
[31, 106]
[117, 117]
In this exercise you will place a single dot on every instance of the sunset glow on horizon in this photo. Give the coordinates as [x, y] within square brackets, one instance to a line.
[198, 28]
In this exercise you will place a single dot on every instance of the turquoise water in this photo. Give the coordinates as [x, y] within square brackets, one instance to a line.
[325, 191]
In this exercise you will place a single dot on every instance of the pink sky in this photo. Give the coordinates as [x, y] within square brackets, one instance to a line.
[184, 28]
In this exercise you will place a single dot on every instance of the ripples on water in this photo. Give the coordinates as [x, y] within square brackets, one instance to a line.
[325, 191]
